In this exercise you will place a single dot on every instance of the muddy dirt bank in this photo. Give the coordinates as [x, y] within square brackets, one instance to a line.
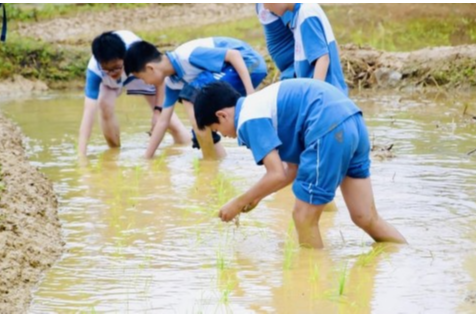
[364, 67]
[437, 66]
[30, 233]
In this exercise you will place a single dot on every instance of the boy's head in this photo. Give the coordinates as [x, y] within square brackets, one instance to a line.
[109, 50]
[279, 8]
[142, 60]
[215, 108]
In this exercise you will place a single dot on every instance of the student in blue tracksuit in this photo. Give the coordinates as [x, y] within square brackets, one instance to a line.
[315, 48]
[105, 80]
[321, 135]
[182, 73]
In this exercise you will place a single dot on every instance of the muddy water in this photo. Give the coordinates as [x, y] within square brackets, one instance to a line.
[143, 236]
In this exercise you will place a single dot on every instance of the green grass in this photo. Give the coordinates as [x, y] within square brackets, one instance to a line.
[39, 60]
[464, 71]
[350, 25]
[248, 29]
[374, 25]
[34, 59]
[379, 27]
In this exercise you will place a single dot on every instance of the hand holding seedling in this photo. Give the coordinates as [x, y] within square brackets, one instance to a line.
[278, 175]
[249, 207]
[234, 207]
[153, 121]
[231, 209]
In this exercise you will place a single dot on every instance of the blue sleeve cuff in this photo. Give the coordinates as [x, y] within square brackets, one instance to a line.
[171, 97]
[313, 39]
[93, 82]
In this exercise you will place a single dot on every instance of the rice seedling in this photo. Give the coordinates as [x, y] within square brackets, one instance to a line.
[159, 162]
[314, 272]
[342, 279]
[220, 260]
[289, 248]
[367, 258]
[196, 165]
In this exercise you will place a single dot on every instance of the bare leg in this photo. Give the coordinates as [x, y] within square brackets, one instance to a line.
[89, 116]
[359, 199]
[109, 124]
[210, 151]
[176, 128]
[306, 219]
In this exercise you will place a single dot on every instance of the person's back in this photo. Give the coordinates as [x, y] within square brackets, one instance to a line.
[314, 37]
[184, 71]
[321, 136]
[301, 110]
[207, 54]
[279, 41]
[105, 80]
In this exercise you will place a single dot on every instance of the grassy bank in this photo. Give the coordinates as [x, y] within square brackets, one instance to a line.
[387, 27]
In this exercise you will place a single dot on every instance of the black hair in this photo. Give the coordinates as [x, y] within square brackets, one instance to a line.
[212, 98]
[108, 47]
[140, 54]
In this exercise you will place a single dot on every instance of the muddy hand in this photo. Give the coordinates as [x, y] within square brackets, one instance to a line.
[249, 207]
[230, 210]
[149, 133]
[153, 121]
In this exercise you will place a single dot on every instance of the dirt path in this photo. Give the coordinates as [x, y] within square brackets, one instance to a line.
[30, 235]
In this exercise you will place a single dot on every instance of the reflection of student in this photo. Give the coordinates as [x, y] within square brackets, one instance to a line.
[206, 175]
[119, 188]
[318, 278]
[360, 279]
